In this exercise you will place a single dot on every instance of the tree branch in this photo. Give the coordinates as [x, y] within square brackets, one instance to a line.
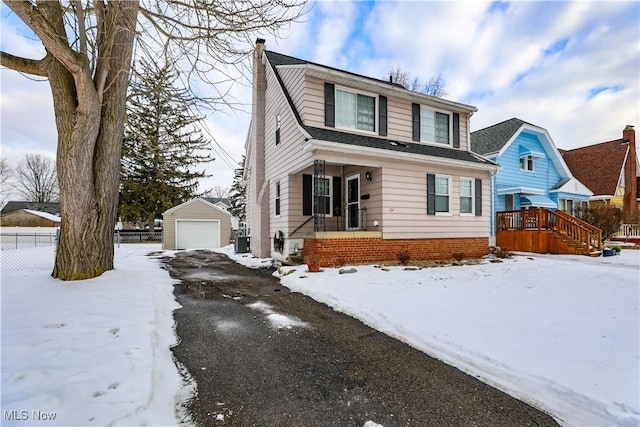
[82, 31]
[56, 45]
[36, 67]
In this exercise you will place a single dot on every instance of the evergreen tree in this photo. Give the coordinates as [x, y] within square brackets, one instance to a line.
[161, 146]
[237, 196]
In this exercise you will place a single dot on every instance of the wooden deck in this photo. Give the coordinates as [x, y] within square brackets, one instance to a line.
[544, 231]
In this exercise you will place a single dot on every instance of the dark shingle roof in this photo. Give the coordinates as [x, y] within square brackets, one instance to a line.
[332, 135]
[280, 59]
[493, 138]
[49, 207]
[598, 166]
[399, 146]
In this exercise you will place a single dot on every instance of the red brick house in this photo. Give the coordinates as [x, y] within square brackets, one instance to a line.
[610, 170]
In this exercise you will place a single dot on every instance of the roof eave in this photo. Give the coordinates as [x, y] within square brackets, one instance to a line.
[314, 70]
[316, 144]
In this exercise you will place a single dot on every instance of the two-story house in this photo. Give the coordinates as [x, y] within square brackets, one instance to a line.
[357, 169]
[532, 172]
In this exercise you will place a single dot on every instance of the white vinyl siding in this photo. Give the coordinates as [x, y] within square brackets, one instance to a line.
[404, 199]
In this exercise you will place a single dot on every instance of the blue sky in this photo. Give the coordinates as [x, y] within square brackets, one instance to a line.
[570, 67]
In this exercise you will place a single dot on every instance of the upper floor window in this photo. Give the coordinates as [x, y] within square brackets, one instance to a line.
[434, 126]
[355, 110]
[277, 129]
[526, 163]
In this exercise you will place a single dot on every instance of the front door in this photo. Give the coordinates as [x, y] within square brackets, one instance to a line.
[353, 202]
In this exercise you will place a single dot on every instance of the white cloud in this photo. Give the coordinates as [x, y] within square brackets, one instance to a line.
[493, 58]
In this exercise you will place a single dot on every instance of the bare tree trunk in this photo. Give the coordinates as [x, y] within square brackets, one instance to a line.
[152, 228]
[89, 149]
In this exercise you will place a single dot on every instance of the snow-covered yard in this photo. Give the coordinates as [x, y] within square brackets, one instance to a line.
[95, 352]
[561, 332]
[558, 331]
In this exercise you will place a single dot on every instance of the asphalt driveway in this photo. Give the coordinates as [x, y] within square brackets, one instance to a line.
[263, 356]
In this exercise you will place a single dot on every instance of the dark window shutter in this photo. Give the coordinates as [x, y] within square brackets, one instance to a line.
[307, 195]
[431, 194]
[456, 130]
[382, 116]
[415, 108]
[337, 196]
[478, 197]
[329, 105]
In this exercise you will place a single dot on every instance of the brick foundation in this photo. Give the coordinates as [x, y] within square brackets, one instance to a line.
[339, 251]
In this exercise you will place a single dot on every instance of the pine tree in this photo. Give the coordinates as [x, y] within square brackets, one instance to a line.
[237, 196]
[161, 146]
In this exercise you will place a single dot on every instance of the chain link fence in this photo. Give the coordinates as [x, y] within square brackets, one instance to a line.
[27, 251]
[36, 250]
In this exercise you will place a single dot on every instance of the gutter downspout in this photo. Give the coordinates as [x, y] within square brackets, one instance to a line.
[492, 207]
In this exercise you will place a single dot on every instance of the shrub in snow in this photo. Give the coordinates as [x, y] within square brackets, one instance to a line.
[403, 257]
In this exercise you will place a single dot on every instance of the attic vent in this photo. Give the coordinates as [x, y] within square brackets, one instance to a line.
[397, 143]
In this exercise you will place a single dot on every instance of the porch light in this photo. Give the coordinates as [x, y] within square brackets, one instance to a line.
[368, 176]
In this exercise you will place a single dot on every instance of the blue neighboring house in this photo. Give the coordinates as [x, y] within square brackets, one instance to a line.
[532, 170]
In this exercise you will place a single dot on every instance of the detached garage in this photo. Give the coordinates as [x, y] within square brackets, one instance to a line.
[196, 224]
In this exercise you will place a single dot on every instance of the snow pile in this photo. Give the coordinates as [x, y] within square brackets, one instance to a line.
[246, 259]
[560, 332]
[278, 320]
[93, 352]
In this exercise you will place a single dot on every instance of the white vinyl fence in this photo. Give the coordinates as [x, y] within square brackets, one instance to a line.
[628, 230]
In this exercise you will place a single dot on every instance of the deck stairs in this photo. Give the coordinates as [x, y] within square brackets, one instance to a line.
[544, 231]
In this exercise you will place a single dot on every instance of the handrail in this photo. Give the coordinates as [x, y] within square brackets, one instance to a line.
[575, 220]
[544, 219]
[301, 225]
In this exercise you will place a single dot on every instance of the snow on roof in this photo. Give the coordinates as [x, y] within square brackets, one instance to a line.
[44, 215]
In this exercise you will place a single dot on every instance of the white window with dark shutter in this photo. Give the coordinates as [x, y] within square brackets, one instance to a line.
[467, 192]
[355, 110]
[442, 195]
[435, 126]
[323, 196]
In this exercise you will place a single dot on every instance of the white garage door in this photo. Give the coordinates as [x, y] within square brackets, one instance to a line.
[197, 234]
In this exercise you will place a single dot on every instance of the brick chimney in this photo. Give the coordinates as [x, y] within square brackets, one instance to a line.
[630, 204]
[258, 192]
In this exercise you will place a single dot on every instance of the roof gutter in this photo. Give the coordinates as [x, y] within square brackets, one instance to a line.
[323, 73]
[315, 144]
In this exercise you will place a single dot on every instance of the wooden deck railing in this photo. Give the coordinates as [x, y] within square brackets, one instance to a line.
[564, 225]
